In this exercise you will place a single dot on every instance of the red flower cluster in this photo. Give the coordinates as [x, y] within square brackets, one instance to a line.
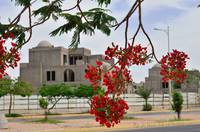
[93, 74]
[8, 57]
[132, 55]
[108, 111]
[173, 65]
[115, 80]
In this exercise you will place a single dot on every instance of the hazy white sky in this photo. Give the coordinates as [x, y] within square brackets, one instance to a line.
[182, 16]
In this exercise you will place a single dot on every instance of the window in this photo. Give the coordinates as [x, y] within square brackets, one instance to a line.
[71, 60]
[48, 76]
[165, 85]
[65, 76]
[64, 59]
[80, 57]
[74, 58]
[69, 75]
[51, 75]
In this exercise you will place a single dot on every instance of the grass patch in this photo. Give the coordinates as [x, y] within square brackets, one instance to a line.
[13, 115]
[50, 121]
[83, 112]
[176, 119]
[129, 118]
[54, 113]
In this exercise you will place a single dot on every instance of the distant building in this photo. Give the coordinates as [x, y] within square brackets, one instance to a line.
[49, 65]
[138, 85]
[154, 81]
[130, 89]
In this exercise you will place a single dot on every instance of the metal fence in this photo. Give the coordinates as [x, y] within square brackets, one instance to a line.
[32, 103]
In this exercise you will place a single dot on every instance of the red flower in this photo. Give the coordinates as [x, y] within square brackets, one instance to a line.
[4, 35]
[13, 44]
[99, 63]
[11, 35]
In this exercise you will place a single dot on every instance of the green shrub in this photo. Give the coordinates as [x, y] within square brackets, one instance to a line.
[44, 105]
[147, 107]
[177, 103]
[13, 115]
[145, 94]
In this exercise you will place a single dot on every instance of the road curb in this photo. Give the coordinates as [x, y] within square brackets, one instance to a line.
[126, 127]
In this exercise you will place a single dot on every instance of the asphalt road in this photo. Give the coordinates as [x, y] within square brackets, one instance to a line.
[191, 128]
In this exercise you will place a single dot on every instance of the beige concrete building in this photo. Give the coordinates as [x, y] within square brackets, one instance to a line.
[49, 65]
[154, 81]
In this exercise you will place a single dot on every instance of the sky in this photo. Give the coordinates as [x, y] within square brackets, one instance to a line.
[182, 16]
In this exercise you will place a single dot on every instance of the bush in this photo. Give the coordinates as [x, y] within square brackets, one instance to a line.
[145, 94]
[13, 115]
[147, 107]
[177, 103]
[44, 105]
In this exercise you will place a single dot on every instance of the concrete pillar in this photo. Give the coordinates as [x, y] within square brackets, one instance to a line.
[3, 121]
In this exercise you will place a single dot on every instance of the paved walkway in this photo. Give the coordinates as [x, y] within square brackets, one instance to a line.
[77, 122]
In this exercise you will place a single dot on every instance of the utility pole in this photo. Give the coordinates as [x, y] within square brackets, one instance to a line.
[168, 44]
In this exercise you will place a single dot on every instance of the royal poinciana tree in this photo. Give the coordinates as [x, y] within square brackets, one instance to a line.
[109, 110]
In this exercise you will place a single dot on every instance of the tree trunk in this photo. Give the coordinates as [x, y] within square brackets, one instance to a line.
[46, 114]
[146, 102]
[10, 105]
[56, 101]
[179, 115]
[68, 104]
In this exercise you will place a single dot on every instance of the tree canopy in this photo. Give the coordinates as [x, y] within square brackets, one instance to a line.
[79, 22]
[4, 86]
[87, 91]
[55, 92]
[14, 87]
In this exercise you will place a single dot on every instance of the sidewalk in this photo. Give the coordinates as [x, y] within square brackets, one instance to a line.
[158, 119]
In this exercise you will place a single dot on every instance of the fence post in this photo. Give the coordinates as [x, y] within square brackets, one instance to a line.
[187, 100]
[13, 108]
[153, 100]
[28, 102]
[196, 99]
[163, 99]
[4, 103]
[38, 102]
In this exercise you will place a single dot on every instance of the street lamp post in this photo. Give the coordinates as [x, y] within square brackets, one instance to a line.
[168, 44]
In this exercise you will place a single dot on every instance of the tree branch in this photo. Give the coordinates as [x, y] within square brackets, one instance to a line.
[54, 104]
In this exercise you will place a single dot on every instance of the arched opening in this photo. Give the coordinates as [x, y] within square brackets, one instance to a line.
[69, 75]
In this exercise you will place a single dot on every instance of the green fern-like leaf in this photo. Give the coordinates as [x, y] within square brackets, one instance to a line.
[102, 2]
[22, 2]
[75, 39]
